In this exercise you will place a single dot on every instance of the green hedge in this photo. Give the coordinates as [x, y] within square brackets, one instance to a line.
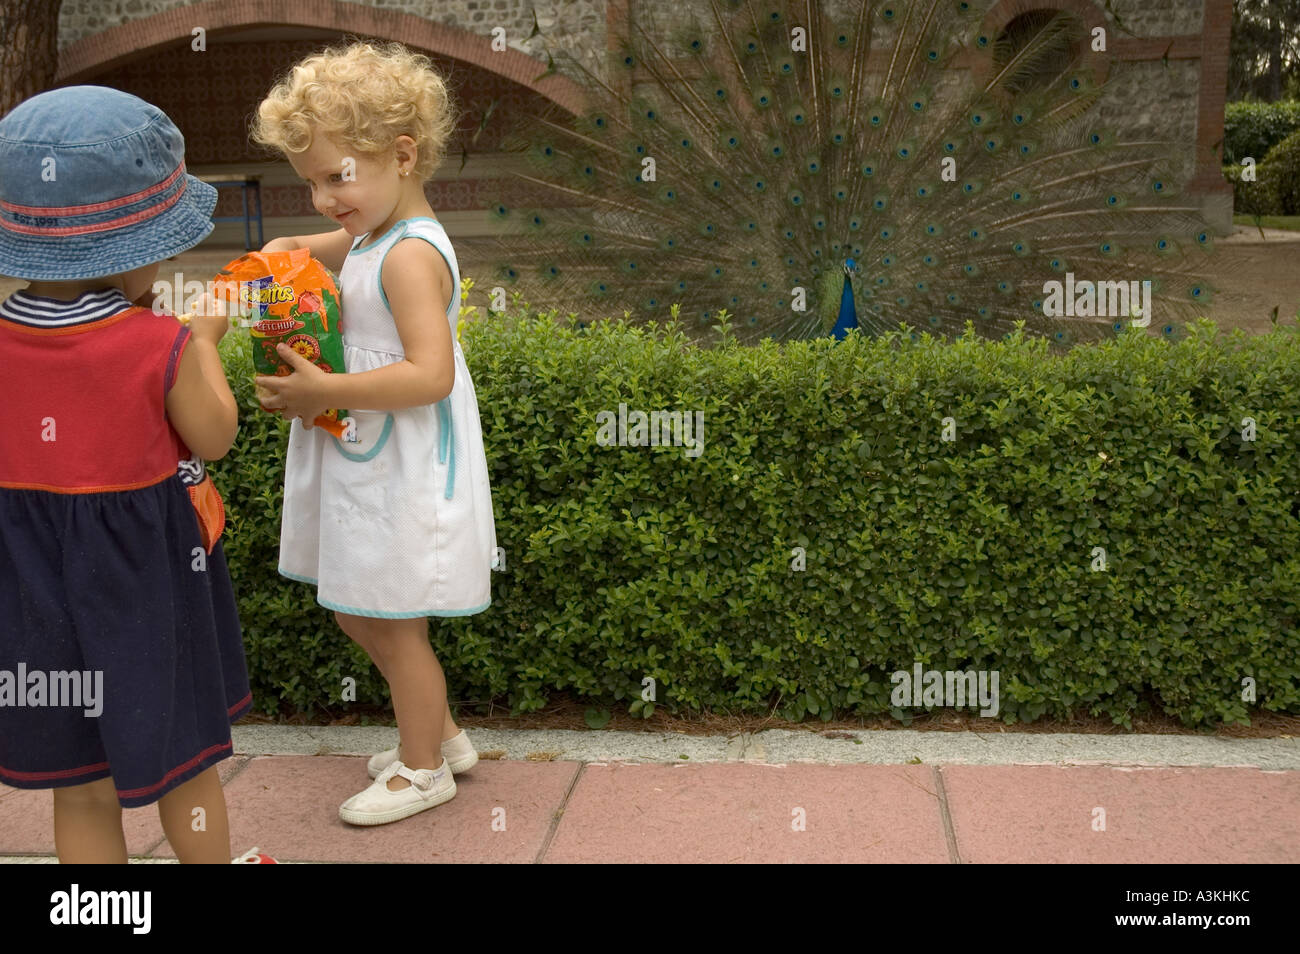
[1252, 129]
[626, 562]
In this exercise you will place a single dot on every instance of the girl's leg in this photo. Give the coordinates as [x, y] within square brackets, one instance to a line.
[88, 824]
[371, 639]
[210, 846]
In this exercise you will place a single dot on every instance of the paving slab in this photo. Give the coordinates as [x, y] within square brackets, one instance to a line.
[1045, 814]
[749, 812]
[288, 807]
[27, 819]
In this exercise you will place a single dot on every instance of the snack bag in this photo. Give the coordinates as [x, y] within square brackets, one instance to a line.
[289, 297]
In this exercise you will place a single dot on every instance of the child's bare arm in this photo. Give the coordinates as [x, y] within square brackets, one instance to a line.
[328, 248]
[418, 285]
[200, 405]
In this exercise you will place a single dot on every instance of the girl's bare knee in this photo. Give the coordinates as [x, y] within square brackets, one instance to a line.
[99, 794]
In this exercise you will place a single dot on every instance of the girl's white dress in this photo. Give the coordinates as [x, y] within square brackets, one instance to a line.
[399, 524]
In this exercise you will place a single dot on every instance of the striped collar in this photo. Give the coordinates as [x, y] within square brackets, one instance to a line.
[38, 312]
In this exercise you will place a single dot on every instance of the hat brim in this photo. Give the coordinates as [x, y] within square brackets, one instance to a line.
[68, 258]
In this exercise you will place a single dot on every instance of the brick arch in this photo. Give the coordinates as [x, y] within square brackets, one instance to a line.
[1004, 11]
[88, 57]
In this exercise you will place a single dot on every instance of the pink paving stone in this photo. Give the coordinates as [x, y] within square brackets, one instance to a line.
[1044, 813]
[744, 812]
[288, 807]
[27, 819]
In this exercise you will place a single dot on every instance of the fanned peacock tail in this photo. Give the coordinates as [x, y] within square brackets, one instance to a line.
[750, 170]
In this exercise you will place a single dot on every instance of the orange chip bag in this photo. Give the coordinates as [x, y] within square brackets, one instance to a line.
[289, 297]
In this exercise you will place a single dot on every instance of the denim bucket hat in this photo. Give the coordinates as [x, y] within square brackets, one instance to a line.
[93, 183]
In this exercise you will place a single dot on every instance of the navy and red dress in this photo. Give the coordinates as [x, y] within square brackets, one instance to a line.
[104, 568]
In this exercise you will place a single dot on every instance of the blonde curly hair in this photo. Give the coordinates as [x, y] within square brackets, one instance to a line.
[364, 96]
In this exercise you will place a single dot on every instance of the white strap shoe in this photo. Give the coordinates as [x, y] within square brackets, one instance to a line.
[378, 806]
[458, 751]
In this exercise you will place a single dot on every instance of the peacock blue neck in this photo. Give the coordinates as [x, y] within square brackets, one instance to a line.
[848, 317]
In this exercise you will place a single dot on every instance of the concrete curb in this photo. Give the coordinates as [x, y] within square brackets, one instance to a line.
[782, 746]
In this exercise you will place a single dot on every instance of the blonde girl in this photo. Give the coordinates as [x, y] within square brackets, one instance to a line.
[396, 526]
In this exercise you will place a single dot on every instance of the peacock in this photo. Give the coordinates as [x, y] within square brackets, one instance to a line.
[812, 166]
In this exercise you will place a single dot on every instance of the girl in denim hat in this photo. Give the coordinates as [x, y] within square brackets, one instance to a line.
[398, 526]
[121, 659]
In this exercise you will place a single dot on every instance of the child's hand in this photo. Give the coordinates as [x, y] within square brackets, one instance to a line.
[303, 394]
[209, 320]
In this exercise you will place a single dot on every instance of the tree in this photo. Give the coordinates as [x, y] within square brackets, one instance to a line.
[29, 49]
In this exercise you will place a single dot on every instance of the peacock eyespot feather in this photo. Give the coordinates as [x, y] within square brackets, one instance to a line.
[1162, 244]
[1107, 248]
[1076, 83]
[819, 224]
[789, 234]
[981, 41]
[1004, 287]
[759, 185]
[902, 300]
[855, 224]
[954, 298]
[1017, 196]
[932, 56]
[1202, 237]
[903, 152]
[751, 226]
[918, 105]
[922, 287]
[796, 198]
[887, 260]
[887, 13]
[1157, 186]
[977, 119]
[1026, 149]
[879, 204]
[928, 260]
[982, 311]
[868, 170]
[751, 47]
[813, 166]
[886, 234]
[719, 94]
[922, 192]
[841, 40]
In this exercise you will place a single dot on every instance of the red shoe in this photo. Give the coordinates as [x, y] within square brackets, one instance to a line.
[252, 857]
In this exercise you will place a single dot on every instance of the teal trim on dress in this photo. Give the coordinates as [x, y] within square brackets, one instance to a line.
[446, 440]
[295, 576]
[379, 240]
[381, 614]
[379, 272]
[370, 454]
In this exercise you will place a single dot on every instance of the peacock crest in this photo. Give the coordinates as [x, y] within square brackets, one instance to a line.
[815, 166]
